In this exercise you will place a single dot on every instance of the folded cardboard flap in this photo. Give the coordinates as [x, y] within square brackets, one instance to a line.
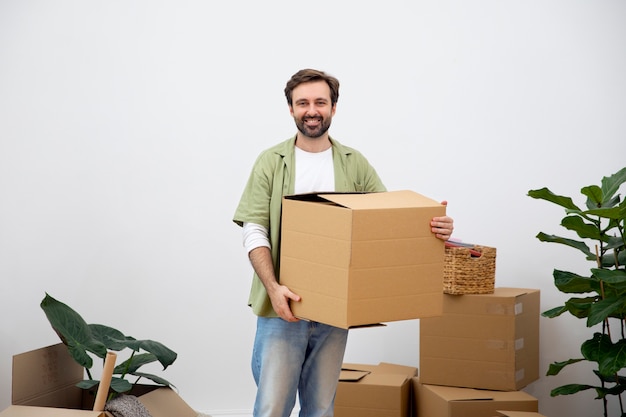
[46, 376]
[164, 402]
[352, 375]
[463, 394]
[390, 199]
[517, 414]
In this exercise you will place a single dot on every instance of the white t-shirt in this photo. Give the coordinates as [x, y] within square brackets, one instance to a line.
[314, 172]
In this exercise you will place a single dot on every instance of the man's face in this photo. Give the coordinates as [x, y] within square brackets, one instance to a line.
[312, 109]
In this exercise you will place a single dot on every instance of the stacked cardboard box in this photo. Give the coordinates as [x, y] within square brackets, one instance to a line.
[488, 341]
[382, 390]
[44, 385]
[480, 342]
[445, 401]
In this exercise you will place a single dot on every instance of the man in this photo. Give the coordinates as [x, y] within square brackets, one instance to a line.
[292, 356]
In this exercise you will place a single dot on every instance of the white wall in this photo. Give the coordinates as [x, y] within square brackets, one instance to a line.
[128, 128]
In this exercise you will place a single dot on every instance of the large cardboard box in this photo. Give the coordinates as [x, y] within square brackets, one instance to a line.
[362, 258]
[382, 390]
[440, 401]
[44, 385]
[488, 341]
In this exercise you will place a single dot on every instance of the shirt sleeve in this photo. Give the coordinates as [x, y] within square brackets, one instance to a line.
[255, 236]
[254, 206]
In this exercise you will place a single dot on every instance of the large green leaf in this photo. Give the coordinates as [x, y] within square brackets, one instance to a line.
[554, 312]
[112, 338]
[164, 355]
[88, 384]
[557, 367]
[607, 212]
[614, 242]
[120, 385]
[583, 229]
[581, 246]
[154, 378]
[611, 276]
[614, 360]
[570, 389]
[611, 184]
[596, 348]
[73, 331]
[580, 307]
[116, 340]
[600, 310]
[570, 283]
[594, 196]
[134, 362]
[546, 194]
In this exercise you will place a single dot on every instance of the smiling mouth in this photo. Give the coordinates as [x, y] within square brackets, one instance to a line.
[313, 121]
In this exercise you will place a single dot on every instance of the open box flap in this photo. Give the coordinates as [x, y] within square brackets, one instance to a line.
[381, 200]
[45, 372]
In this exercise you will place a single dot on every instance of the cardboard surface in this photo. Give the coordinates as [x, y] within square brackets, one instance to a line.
[442, 401]
[44, 386]
[381, 390]
[517, 414]
[362, 259]
[46, 377]
[487, 341]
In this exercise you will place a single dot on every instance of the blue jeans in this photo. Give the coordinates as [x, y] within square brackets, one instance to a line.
[301, 358]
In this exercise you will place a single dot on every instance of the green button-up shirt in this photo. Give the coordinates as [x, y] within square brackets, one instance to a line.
[272, 177]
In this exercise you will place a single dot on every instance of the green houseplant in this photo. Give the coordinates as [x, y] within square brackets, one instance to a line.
[599, 297]
[87, 340]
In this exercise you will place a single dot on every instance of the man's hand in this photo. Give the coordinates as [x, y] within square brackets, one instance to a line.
[261, 259]
[280, 296]
[443, 226]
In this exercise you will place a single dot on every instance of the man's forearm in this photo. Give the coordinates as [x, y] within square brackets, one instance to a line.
[261, 259]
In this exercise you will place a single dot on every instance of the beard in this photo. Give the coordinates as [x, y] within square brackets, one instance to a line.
[313, 132]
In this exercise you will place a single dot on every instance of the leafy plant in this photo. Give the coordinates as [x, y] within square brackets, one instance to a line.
[84, 340]
[600, 297]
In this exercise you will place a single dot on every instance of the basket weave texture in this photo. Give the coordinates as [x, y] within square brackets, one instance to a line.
[467, 274]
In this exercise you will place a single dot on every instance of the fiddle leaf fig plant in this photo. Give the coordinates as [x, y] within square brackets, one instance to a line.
[598, 297]
[84, 341]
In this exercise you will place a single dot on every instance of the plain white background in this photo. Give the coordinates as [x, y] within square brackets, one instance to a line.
[128, 129]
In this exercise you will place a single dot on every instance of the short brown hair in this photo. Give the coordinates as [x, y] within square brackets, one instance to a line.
[310, 75]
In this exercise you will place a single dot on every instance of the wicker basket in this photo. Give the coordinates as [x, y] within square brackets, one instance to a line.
[467, 274]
